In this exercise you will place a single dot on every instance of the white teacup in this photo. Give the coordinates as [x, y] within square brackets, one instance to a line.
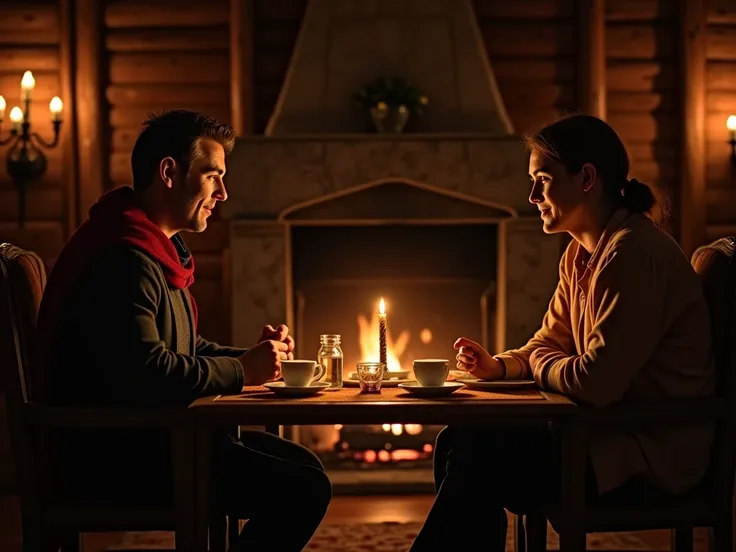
[431, 372]
[301, 373]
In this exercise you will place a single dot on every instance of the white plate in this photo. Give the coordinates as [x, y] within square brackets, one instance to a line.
[283, 390]
[475, 383]
[448, 388]
[384, 383]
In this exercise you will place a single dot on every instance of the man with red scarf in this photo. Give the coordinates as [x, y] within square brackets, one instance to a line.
[118, 326]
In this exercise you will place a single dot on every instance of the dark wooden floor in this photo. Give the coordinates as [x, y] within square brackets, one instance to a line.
[343, 509]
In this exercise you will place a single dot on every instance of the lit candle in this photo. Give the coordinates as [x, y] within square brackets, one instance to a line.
[55, 107]
[382, 332]
[27, 84]
[3, 105]
[16, 117]
[731, 126]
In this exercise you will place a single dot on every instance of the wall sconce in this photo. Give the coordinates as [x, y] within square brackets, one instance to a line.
[731, 126]
[25, 161]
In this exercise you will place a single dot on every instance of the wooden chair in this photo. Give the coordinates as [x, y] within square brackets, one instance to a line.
[711, 503]
[51, 522]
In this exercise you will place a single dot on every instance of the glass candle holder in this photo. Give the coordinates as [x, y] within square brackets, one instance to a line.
[370, 376]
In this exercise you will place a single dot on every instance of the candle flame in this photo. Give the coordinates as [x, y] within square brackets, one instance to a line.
[382, 306]
[16, 115]
[731, 123]
[56, 105]
[28, 82]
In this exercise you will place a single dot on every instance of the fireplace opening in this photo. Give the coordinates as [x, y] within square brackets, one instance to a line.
[438, 281]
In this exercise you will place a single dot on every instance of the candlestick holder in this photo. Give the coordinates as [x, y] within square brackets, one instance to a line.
[732, 142]
[25, 161]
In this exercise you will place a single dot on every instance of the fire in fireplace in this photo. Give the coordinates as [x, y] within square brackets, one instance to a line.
[439, 283]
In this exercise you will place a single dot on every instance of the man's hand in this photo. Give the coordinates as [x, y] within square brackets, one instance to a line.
[281, 333]
[262, 363]
[475, 359]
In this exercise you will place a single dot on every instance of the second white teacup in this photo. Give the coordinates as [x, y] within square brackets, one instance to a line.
[301, 373]
[431, 372]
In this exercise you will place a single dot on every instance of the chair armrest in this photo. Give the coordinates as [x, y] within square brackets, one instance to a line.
[685, 410]
[117, 417]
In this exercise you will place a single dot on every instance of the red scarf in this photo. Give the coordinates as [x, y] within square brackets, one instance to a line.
[115, 219]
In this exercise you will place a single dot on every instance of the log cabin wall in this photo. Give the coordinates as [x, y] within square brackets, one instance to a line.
[176, 54]
[171, 55]
[720, 103]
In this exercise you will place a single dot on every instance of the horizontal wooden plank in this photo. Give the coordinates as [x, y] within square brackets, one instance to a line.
[640, 10]
[640, 76]
[617, 100]
[129, 116]
[18, 60]
[721, 43]
[721, 11]
[166, 13]
[29, 38]
[721, 101]
[524, 9]
[141, 94]
[643, 127]
[545, 94]
[715, 125]
[28, 17]
[169, 68]
[44, 238]
[41, 204]
[47, 86]
[168, 40]
[558, 71]
[548, 38]
[720, 75]
[270, 68]
[641, 41]
[653, 172]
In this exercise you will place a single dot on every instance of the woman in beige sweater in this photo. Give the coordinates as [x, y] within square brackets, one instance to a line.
[627, 322]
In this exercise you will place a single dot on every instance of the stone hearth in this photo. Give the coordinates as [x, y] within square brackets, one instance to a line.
[275, 184]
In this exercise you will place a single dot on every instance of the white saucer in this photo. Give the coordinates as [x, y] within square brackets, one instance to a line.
[384, 384]
[475, 383]
[448, 388]
[281, 389]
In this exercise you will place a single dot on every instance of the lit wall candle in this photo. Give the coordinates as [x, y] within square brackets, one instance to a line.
[382, 326]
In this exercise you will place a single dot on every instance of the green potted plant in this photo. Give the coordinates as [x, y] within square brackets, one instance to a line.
[390, 102]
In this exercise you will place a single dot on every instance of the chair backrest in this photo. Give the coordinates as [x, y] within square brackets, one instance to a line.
[716, 265]
[22, 281]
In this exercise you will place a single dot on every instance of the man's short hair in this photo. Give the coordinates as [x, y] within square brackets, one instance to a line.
[174, 134]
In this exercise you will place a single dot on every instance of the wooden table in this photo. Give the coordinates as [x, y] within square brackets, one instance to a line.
[515, 407]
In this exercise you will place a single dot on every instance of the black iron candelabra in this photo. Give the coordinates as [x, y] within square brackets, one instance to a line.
[25, 161]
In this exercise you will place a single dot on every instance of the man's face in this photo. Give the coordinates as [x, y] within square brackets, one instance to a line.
[203, 186]
[560, 196]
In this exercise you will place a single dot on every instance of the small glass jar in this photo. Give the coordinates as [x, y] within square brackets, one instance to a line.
[330, 356]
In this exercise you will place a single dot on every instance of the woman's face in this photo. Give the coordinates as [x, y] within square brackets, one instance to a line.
[561, 197]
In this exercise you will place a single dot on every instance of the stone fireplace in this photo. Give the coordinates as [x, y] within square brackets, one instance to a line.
[325, 219]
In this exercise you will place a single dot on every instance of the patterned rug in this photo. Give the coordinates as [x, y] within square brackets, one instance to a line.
[379, 537]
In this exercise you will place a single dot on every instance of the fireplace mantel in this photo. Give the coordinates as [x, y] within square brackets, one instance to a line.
[268, 175]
